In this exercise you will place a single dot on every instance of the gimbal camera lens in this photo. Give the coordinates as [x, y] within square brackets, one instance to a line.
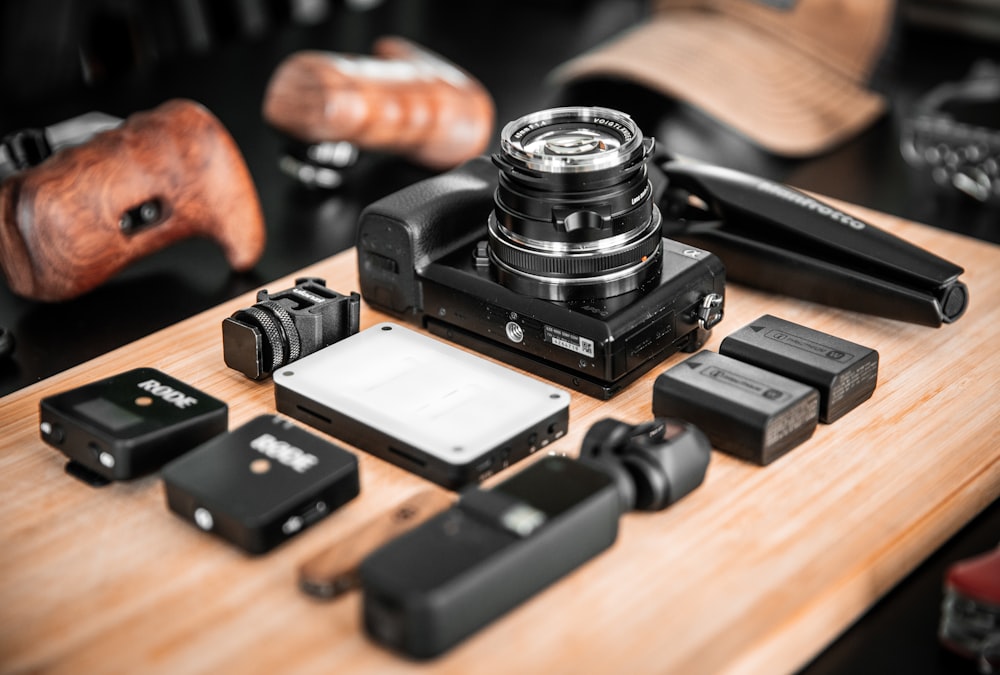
[574, 216]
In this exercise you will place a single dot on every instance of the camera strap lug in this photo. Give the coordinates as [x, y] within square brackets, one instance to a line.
[710, 311]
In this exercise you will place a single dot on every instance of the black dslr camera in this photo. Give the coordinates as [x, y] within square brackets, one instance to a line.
[557, 265]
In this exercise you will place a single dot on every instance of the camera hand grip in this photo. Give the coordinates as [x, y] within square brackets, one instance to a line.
[82, 215]
[405, 99]
[401, 234]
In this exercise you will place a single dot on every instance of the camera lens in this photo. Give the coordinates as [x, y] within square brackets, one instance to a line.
[574, 216]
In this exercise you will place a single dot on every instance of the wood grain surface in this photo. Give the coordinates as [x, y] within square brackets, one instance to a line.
[60, 222]
[755, 571]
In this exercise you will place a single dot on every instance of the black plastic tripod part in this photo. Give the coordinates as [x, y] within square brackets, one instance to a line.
[778, 239]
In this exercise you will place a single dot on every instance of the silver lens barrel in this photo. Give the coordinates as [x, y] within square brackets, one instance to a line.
[574, 216]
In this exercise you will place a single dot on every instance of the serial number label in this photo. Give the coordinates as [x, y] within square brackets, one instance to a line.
[807, 345]
[566, 340]
[792, 420]
[850, 380]
[744, 383]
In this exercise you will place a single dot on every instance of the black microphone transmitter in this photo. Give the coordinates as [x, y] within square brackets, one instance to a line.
[261, 483]
[129, 424]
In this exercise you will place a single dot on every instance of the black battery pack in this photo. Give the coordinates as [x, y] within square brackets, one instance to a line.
[744, 410]
[843, 372]
[129, 424]
[262, 483]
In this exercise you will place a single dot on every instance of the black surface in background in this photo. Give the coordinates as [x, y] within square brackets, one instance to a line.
[510, 47]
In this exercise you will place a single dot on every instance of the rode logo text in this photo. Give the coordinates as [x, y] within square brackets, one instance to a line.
[285, 453]
[169, 394]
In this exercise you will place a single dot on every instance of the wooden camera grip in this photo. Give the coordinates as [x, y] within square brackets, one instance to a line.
[404, 99]
[82, 215]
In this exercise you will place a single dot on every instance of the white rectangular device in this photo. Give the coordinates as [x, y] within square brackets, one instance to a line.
[442, 413]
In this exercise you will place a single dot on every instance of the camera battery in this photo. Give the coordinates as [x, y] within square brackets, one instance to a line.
[262, 483]
[129, 424]
[845, 373]
[744, 410]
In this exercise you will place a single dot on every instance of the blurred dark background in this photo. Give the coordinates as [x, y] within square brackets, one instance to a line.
[62, 58]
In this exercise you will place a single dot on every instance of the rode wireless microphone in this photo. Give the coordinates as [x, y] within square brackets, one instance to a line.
[129, 424]
[261, 483]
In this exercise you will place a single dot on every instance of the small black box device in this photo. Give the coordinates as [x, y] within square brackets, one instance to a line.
[422, 404]
[130, 424]
[445, 579]
[744, 410]
[845, 373]
[261, 483]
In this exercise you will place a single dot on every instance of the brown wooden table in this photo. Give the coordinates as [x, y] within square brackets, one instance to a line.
[754, 572]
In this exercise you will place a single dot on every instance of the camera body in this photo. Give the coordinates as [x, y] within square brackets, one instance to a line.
[423, 256]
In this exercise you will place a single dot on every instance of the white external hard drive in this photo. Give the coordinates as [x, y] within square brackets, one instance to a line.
[442, 413]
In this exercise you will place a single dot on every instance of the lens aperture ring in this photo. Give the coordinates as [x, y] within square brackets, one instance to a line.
[564, 221]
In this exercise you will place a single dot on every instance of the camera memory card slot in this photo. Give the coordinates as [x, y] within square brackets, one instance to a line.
[310, 411]
[409, 456]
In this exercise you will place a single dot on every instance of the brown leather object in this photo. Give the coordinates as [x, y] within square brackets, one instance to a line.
[334, 570]
[61, 228]
[405, 100]
[788, 75]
